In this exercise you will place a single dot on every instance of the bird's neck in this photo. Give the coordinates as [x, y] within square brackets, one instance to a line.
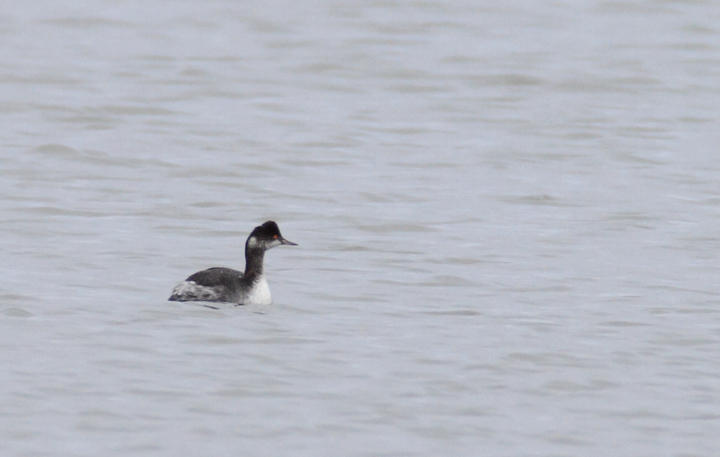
[254, 262]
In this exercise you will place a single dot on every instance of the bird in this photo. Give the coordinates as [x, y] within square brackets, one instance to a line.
[219, 284]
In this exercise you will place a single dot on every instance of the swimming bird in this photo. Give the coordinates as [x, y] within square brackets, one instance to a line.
[220, 284]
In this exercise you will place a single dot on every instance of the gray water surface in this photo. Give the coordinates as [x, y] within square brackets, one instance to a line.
[508, 218]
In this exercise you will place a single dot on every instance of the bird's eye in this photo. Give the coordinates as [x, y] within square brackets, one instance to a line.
[275, 236]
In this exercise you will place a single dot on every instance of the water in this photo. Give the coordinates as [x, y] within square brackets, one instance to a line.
[507, 216]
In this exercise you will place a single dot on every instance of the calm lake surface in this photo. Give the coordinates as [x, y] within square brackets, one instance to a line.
[508, 218]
